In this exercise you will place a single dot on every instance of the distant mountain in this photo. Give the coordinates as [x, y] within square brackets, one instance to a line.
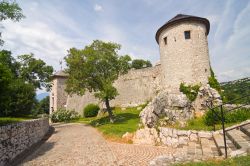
[41, 96]
[236, 89]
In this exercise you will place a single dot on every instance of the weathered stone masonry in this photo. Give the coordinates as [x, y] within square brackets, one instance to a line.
[17, 137]
[134, 88]
[181, 60]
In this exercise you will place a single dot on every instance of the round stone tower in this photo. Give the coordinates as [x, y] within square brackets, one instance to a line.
[184, 51]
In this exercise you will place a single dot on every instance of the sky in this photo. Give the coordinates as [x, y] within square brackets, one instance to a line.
[52, 27]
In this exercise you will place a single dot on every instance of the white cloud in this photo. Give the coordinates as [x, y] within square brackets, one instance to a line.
[37, 38]
[230, 54]
[213, 19]
[98, 8]
[234, 74]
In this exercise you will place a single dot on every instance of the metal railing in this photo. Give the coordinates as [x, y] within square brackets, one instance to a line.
[220, 115]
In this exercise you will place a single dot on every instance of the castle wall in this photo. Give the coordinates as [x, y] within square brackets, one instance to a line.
[184, 60]
[134, 88]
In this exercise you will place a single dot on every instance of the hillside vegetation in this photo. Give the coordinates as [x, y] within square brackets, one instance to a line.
[236, 89]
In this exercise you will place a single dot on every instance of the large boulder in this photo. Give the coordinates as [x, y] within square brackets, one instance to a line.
[205, 96]
[175, 106]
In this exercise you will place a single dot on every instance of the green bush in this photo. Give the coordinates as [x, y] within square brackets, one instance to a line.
[239, 115]
[63, 115]
[210, 118]
[91, 110]
[213, 82]
[190, 91]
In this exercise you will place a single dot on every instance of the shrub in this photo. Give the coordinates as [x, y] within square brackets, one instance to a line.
[190, 91]
[63, 115]
[209, 118]
[91, 110]
[239, 115]
[213, 82]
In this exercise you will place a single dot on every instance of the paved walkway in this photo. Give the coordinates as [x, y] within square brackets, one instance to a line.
[78, 144]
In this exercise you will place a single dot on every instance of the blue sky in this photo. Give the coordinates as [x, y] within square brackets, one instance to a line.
[51, 27]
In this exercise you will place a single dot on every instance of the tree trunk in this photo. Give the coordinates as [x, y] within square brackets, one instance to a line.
[111, 117]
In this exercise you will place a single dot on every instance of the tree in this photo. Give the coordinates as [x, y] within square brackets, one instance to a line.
[10, 10]
[22, 96]
[43, 106]
[95, 68]
[140, 63]
[35, 71]
[19, 81]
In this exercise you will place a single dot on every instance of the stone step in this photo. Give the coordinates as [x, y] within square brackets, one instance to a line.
[246, 129]
[239, 139]
[194, 151]
[219, 141]
[209, 149]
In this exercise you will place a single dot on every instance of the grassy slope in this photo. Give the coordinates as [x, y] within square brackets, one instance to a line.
[237, 161]
[126, 121]
[8, 120]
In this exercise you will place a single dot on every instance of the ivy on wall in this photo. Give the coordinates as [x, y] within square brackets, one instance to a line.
[213, 82]
[190, 91]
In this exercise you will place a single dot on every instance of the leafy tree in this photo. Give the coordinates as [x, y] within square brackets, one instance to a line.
[43, 106]
[7, 60]
[95, 68]
[22, 98]
[140, 63]
[10, 10]
[35, 71]
[18, 83]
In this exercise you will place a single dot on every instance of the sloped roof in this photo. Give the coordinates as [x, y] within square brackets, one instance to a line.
[60, 73]
[180, 18]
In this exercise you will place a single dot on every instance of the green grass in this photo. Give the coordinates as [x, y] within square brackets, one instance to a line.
[237, 161]
[198, 124]
[125, 121]
[9, 120]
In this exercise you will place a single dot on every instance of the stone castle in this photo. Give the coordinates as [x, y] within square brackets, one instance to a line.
[184, 57]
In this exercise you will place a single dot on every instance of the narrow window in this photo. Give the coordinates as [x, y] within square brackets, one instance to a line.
[165, 40]
[174, 39]
[187, 34]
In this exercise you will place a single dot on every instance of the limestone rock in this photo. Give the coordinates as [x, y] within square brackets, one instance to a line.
[175, 106]
[193, 137]
[203, 134]
[128, 136]
[146, 136]
[183, 140]
[205, 95]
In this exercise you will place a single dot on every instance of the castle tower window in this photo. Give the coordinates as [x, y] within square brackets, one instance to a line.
[165, 40]
[187, 34]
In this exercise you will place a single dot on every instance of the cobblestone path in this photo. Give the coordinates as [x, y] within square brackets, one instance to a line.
[78, 144]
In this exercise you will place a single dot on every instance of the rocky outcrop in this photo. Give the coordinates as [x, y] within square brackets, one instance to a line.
[205, 96]
[177, 107]
[166, 104]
